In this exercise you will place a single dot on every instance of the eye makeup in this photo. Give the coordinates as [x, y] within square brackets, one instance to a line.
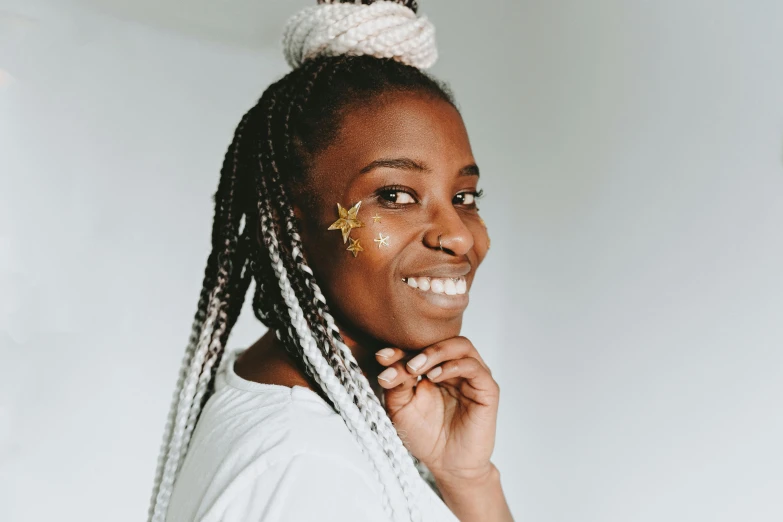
[381, 196]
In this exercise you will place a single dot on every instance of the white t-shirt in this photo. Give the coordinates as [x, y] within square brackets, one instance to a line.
[270, 453]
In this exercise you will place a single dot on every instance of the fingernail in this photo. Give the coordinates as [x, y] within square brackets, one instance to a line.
[385, 353]
[417, 362]
[388, 375]
[434, 372]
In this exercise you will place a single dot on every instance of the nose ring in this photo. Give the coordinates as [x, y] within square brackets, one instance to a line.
[440, 242]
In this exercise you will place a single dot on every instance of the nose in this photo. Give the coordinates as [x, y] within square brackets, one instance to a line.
[449, 232]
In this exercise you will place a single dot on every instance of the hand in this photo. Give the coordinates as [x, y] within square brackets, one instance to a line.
[448, 418]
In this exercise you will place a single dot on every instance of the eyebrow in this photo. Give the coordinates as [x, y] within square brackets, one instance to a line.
[409, 164]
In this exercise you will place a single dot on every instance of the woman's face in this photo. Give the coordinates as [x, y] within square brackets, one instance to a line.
[406, 157]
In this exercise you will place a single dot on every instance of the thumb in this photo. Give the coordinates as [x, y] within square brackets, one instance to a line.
[401, 395]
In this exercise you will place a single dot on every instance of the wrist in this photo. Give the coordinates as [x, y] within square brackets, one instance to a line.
[475, 496]
[467, 479]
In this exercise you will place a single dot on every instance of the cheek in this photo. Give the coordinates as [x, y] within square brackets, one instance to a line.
[481, 240]
[356, 287]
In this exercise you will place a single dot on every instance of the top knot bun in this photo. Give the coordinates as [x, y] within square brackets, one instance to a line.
[384, 29]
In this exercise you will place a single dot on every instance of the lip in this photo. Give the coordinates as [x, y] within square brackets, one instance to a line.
[456, 302]
[443, 271]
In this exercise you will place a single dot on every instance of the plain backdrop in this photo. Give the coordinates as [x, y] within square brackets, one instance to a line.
[631, 306]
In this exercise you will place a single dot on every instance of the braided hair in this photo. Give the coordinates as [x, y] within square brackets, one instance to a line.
[255, 238]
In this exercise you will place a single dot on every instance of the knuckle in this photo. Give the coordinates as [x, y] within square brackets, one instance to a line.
[437, 349]
[465, 342]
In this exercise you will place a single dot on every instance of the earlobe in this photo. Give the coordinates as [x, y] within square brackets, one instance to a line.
[298, 214]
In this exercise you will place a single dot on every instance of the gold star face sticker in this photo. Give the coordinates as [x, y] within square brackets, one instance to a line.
[347, 220]
[355, 247]
[376, 218]
[382, 240]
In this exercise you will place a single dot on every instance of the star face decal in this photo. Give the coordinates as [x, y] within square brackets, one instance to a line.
[382, 240]
[376, 218]
[355, 247]
[347, 220]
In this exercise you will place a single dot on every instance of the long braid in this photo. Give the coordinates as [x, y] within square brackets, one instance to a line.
[198, 324]
[399, 457]
[298, 280]
[211, 310]
[341, 357]
[239, 285]
[197, 329]
[231, 270]
[322, 371]
[334, 359]
[266, 212]
[287, 298]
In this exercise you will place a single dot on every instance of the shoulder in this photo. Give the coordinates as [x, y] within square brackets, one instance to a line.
[259, 454]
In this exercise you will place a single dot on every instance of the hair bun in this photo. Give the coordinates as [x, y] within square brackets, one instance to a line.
[384, 29]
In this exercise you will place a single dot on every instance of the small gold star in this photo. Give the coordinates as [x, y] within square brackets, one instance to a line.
[355, 247]
[482, 222]
[376, 218]
[382, 240]
[347, 220]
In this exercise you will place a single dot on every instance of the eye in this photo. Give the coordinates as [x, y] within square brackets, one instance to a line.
[401, 197]
[469, 198]
[395, 196]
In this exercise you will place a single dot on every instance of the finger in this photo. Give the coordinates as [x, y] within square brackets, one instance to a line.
[395, 375]
[400, 389]
[473, 372]
[455, 348]
[388, 356]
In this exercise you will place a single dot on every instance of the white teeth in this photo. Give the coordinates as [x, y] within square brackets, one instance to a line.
[439, 285]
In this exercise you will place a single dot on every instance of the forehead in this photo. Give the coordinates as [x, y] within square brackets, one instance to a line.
[417, 126]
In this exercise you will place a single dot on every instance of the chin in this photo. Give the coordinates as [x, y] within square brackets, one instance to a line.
[419, 334]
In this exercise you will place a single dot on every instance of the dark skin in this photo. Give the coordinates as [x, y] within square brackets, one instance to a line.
[434, 229]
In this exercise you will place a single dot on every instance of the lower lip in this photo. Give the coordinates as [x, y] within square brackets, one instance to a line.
[456, 302]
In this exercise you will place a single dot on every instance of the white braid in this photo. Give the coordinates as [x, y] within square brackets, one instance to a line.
[178, 444]
[382, 29]
[213, 351]
[167, 431]
[400, 459]
[322, 371]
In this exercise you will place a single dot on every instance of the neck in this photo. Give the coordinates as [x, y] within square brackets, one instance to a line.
[362, 347]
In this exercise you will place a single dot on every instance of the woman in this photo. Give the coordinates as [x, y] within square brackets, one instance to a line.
[349, 196]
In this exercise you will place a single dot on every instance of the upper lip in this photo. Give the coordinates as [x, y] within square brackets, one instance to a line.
[444, 271]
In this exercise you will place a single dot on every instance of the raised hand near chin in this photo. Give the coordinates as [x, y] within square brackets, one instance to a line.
[448, 418]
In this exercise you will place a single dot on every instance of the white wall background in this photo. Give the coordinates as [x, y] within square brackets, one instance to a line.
[631, 306]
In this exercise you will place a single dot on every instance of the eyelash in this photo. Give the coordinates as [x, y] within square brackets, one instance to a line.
[477, 194]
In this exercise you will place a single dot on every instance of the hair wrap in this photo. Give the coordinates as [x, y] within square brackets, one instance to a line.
[382, 29]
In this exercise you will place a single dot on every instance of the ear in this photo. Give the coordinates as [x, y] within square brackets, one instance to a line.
[298, 212]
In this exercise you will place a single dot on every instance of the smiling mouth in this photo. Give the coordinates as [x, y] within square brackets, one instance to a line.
[438, 285]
